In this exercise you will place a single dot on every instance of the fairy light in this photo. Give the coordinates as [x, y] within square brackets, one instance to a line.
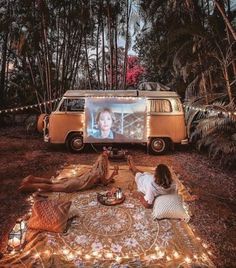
[204, 245]
[87, 257]
[187, 260]
[211, 111]
[65, 251]
[118, 259]
[11, 110]
[71, 256]
[176, 254]
[168, 258]
[109, 255]
[209, 252]
[36, 255]
[47, 252]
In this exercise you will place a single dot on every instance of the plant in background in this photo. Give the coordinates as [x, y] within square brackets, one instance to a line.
[213, 127]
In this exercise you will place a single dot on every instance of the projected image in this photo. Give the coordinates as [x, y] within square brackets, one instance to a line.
[115, 120]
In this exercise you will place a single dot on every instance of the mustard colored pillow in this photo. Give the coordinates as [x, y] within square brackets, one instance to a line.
[169, 206]
[49, 215]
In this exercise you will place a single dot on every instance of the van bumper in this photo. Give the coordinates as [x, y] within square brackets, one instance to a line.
[183, 142]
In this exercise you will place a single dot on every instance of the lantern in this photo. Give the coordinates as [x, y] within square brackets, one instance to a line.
[17, 235]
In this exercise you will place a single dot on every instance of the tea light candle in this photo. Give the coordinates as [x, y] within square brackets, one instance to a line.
[14, 242]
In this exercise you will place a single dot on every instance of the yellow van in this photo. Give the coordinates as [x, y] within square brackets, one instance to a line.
[153, 118]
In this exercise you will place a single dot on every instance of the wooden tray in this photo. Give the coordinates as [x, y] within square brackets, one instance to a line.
[108, 201]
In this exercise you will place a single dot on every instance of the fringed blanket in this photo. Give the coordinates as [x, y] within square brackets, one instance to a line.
[118, 236]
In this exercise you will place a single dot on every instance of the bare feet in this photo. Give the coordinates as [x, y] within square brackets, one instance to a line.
[130, 161]
[116, 170]
[27, 179]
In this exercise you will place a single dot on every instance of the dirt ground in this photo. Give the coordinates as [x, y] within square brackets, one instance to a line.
[214, 214]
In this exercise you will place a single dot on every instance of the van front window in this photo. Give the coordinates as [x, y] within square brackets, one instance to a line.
[72, 105]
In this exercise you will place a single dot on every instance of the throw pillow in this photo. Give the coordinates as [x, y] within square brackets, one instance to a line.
[49, 215]
[169, 206]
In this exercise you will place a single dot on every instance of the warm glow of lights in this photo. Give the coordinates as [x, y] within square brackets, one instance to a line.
[157, 248]
[204, 256]
[109, 255]
[153, 257]
[118, 259]
[187, 260]
[87, 257]
[176, 254]
[168, 258]
[198, 238]
[204, 245]
[13, 252]
[65, 251]
[95, 253]
[47, 252]
[160, 254]
[36, 255]
[70, 256]
[209, 252]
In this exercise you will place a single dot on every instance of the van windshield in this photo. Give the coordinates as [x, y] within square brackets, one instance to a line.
[72, 105]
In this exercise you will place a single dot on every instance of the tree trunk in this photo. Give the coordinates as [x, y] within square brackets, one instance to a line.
[116, 58]
[3, 69]
[226, 19]
[103, 56]
[226, 76]
[110, 34]
[97, 55]
[128, 11]
[204, 81]
[87, 62]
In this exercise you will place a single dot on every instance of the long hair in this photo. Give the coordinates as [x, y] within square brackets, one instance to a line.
[102, 165]
[163, 176]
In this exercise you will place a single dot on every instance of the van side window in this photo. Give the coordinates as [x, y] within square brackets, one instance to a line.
[161, 106]
[177, 106]
[72, 105]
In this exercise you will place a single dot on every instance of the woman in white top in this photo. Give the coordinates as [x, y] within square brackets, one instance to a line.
[151, 185]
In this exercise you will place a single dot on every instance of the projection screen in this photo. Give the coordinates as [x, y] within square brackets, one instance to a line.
[115, 120]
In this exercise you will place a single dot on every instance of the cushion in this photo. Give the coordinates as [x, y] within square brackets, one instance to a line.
[169, 206]
[49, 215]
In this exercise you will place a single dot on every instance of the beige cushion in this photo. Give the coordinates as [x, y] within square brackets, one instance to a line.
[49, 215]
[169, 206]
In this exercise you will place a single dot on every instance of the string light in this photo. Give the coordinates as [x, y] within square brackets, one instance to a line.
[211, 111]
[11, 110]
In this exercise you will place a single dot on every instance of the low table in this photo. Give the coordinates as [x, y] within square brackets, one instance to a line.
[109, 201]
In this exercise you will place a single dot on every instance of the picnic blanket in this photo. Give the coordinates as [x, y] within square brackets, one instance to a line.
[118, 236]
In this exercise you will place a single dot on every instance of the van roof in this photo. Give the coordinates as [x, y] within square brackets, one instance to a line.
[119, 93]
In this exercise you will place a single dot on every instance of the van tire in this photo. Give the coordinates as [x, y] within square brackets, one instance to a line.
[74, 143]
[158, 145]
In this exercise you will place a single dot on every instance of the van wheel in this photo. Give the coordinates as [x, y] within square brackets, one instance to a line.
[158, 145]
[75, 143]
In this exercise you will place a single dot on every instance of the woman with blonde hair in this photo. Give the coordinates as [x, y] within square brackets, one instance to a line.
[105, 119]
[97, 175]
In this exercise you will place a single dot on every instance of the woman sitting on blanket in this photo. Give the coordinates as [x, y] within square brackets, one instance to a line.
[149, 185]
[99, 174]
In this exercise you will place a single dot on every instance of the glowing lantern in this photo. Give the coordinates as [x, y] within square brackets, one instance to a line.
[16, 237]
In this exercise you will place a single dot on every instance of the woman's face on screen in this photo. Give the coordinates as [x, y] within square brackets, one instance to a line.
[105, 121]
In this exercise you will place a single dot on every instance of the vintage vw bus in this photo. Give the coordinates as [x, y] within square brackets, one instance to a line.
[153, 118]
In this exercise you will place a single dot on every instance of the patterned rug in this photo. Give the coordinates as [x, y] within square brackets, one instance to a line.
[118, 236]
